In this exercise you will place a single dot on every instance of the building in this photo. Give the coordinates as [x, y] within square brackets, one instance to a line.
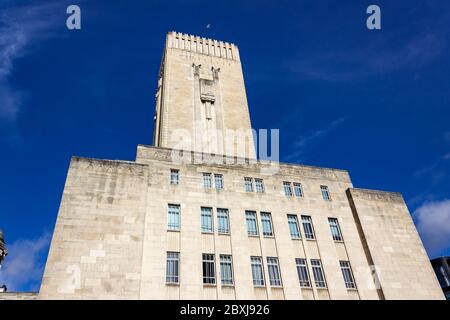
[197, 216]
[441, 267]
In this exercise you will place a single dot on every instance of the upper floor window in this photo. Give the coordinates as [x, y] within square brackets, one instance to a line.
[293, 226]
[266, 221]
[173, 219]
[206, 219]
[335, 230]
[226, 269]
[287, 188]
[274, 272]
[257, 271]
[259, 185]
[174, 176]
[223, 224]
[252, 225]
[308, 227]
[325, 193]
[302, 271]
[347, 274]
[207, 180]
[298, 189]
[173, 267]
[218, 179]
[209, 270]
[319, 277]
[248, 183]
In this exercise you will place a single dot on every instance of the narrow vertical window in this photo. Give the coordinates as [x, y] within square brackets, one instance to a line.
[347, 273]
[248, 183]
[218, 179]
[173, 267]
[335, 230]
[308, 227]
[303, 274]
[252, 226]
[274, 272]
[319, 277]
[223, 224]
[287, 188]
[226, 269]
[259, 185]
[266, 222]
[257, 271]
[293, 226]
[173, 219]
[209, 270]
[325, 193]
[207, 180]
[298, 189]
[174, 176]
[206, 219]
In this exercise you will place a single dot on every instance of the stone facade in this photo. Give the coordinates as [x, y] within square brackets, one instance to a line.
[111, 237]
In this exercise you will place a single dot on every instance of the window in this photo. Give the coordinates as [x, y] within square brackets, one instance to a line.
[252, 226]
[259, 185]
[226, 269]
[308, 227]
[287, 188]
[347, 274]
[303, 274]
[335, 230]
[257, 271]
[209, 272]
[207, 180]
[298, 189]
[173, 267]
[274, 272]
[174, 176]
[206, 216]
[293, 226]
[218, 179]
[173, 222]
[222, 221]
[319, 277]
[248, 183]
[266, 221]
[325, 193]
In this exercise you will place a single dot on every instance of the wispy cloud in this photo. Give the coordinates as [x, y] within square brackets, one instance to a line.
[24, 264]
[433, 224]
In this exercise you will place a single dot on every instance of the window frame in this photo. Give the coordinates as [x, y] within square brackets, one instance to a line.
[218, 177]
[326, 195]
[171, 224]
[337, 227]
[273, 268]
[248, 182]
[255, 219]
[174, 173]
[229, 263]
[176, 267]
[261, 188]
[287, 186]
[297, 226]
[227, 215]
[347, 274]
[302, 272]
[207, 180]
[308, 235]
[256, 261]
[203, 218]
[266, 217]
[319, 268]
[209, 273]
[298, 186]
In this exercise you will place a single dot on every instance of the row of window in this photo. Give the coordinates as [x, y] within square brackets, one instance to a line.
[223, 224]
[257, 268]
[250, 184]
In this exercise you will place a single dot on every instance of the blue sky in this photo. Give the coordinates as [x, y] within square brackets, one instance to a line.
[376, 103]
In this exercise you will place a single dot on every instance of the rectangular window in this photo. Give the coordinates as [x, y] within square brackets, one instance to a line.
[257, 271]
[325, 193]
[303, 274]
[274, 272]
[319, 277]
[248, 183]
[173, 267]
[298, 189]
[308, 227]
[223, 224]
[226, 269]
[266, 221]
[335, 230]
[252, 226]
[293, 226]
[209, 270]
[218, 179]
[174, 176]
[259, 185]
[207, 180]
[287, 188]
[347, 273]
[173, 220]
[206, 219]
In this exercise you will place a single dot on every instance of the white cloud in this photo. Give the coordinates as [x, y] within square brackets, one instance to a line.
[24, 265]
[433, 224]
